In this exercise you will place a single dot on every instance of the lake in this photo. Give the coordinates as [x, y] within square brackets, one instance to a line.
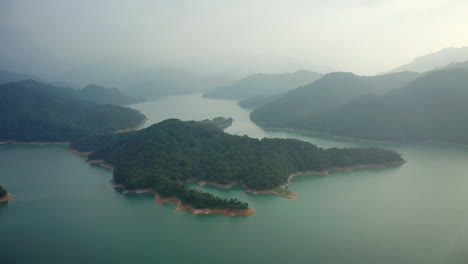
[66, 211]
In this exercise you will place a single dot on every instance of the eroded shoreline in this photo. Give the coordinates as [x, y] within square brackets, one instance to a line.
[291, 195]
[6, 198]
[138, 126]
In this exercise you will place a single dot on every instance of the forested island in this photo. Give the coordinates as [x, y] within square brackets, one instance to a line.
[166, 155]
[431, 107]
[36, 112]
[4, 195]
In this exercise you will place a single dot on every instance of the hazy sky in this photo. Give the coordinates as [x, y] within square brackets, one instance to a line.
[238, 36]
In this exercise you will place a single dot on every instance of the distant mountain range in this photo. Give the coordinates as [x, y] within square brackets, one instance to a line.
[32, 111]
[162, 81]
[7, 76]
[306, 103]
[435, 60]
[264, 84]
[433, 106]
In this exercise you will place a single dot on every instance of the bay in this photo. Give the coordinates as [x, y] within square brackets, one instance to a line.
[65, 211]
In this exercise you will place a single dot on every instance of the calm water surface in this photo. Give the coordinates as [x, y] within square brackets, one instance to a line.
[65, 211]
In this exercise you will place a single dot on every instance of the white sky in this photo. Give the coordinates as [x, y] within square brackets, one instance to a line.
[230, 36]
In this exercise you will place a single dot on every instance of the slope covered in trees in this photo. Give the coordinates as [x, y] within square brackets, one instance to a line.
[435, 60]
[433, 107]
[264, 84]
[31, 111]
[303, 105]
[3, 192]
[166, 154]
[7, 76]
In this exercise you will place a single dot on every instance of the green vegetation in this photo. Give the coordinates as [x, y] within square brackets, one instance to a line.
[432, 107]
[30, 111]
[255, 102]
[166, 154]
[264, 84]
[219, 122]
[3, 192]
[303, 105]
[282, 190]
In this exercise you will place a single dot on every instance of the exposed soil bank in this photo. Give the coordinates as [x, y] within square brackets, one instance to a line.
[133, 128]
[291, 195]
[204, 211]
[6, 198]
[79, 153]
[177, 201]
[34, 143]
[330, 135]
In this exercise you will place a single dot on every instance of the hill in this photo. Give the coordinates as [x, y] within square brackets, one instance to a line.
[455, 65]
[102, 95]
[299, 107]
[31, 111]
[7, 76]
[264, 84]
[435, 60]
[433, 107]
[255, 102]
[162, 81]
[165, 155]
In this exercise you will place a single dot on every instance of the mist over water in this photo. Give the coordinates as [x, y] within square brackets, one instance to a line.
[65, 210]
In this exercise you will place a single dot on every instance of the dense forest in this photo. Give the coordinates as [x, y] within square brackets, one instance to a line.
[219, 122]
[432, 107]
[255, 102]
[264, 84]
[31, 111]
[332, 90]
[3, 192]
[166, 154]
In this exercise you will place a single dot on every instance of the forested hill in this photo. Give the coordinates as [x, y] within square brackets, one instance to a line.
[433, 107]
[304, 104]
[30, 111]
[7, 76]
[163, 155]
[264, 84]
[102, 95]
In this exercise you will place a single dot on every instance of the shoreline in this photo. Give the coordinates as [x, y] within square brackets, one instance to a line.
[6, 198]
[292, 195]
[34, 143]
[177, 201]
[335, 136]
[358, 139]
[138, 126]
[85, 153]
[203, 211]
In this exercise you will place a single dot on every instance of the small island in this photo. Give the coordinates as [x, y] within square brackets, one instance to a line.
[4, 195]
[165, 156]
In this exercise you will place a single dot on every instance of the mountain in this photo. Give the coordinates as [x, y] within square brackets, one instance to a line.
[165, 155]
[264, 84]
[31, 111]
[301, 106]
[435, 60]
[102, 95]
[432, 107]
[162, 81]
[257, 101]
[456, 65]
[6, 77]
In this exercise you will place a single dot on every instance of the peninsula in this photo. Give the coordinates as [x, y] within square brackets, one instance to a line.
[164, 156]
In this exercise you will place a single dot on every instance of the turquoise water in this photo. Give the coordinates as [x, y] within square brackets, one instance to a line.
[65, 211]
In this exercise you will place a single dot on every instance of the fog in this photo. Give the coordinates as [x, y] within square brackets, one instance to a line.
[53, 38]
